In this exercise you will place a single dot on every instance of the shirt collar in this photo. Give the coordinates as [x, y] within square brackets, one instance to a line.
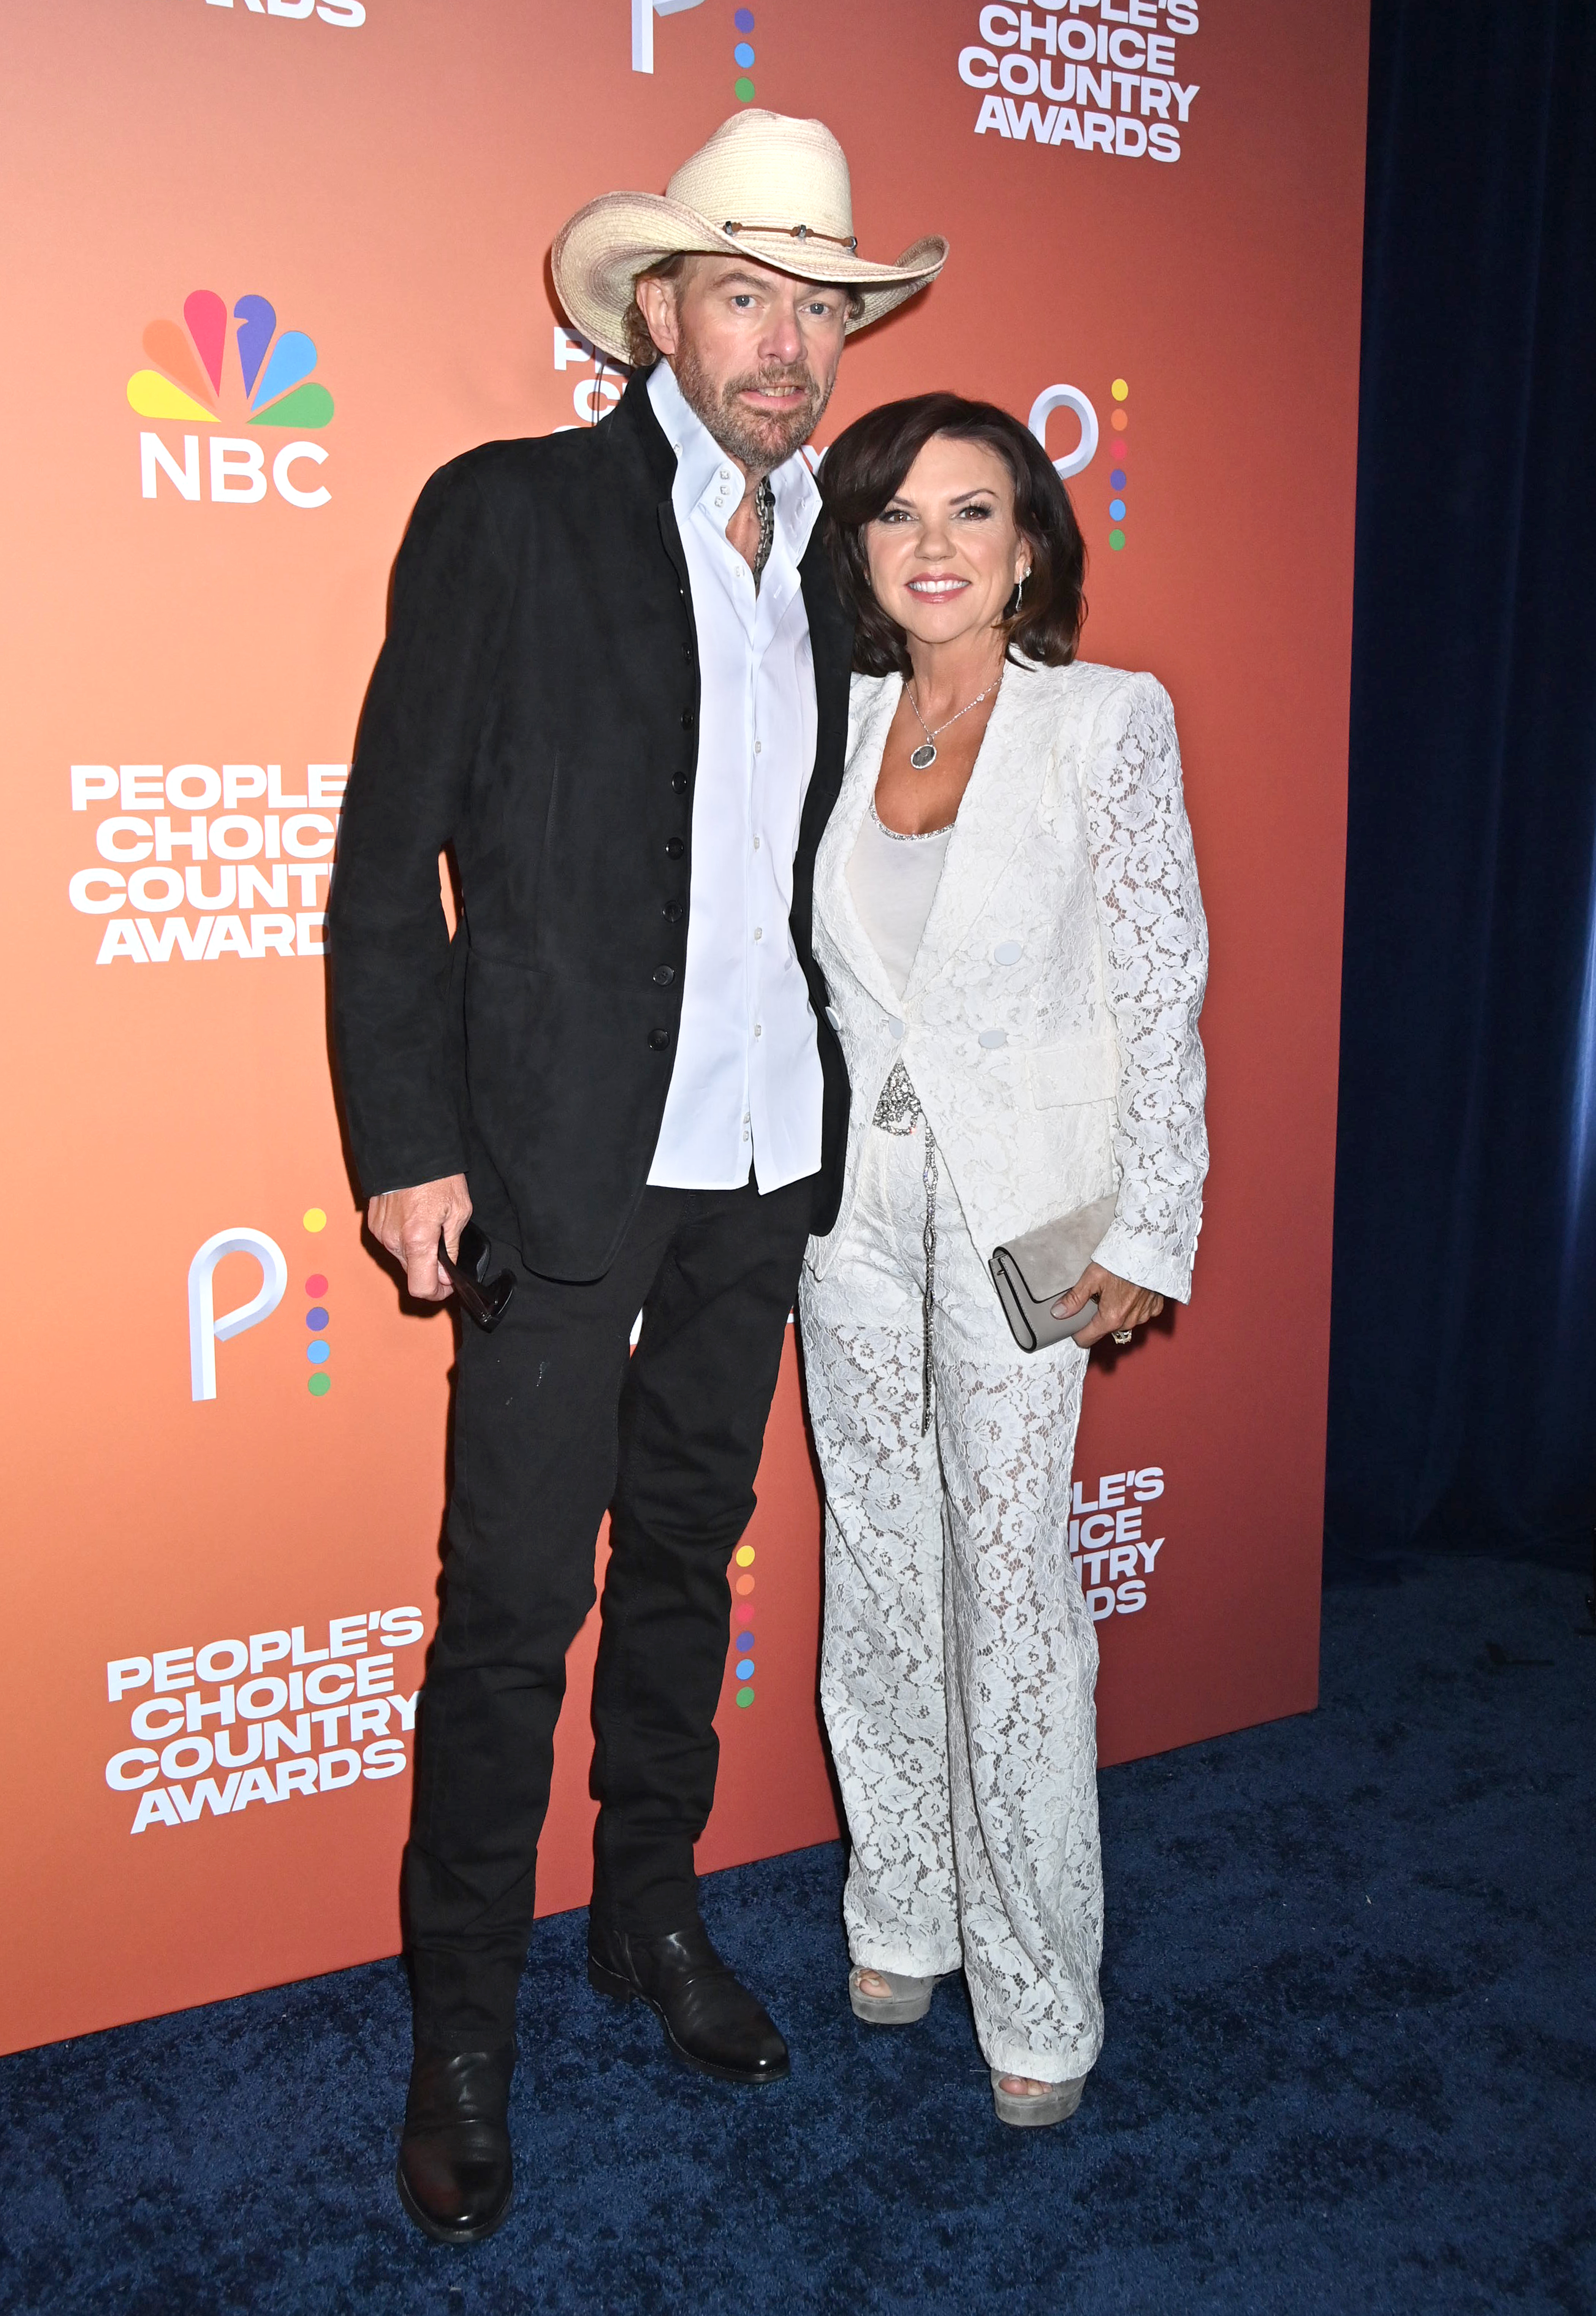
[700, 463]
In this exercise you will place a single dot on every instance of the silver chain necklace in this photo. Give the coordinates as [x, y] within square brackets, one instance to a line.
[923, 757]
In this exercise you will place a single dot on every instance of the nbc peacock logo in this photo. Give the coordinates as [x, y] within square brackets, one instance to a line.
[269, 385]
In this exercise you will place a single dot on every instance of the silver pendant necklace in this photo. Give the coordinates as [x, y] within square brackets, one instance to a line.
[923, 757]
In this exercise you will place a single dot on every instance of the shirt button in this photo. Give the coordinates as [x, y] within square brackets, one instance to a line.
[759, 1030]
[678, 782]
[688, 719]
[1007, 952]
[991, 1039]
[756, 844]
[659, 1039]
[759, 933]
[673, 912]
[759, 747]
[664, 975]
[674, 848]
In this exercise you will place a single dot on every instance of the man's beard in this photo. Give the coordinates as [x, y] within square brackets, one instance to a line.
[761, 442]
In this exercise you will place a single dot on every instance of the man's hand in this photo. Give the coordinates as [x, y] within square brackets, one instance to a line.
[1119, 1304]
[409, 1223]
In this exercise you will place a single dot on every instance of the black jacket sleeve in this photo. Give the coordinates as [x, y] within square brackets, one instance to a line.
[395, 1020]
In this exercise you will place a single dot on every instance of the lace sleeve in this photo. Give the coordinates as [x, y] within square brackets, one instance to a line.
[1157, 947]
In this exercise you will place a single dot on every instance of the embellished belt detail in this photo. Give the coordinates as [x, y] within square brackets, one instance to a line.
[898, 1111]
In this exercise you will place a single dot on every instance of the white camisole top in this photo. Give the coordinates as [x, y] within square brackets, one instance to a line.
[892, 879]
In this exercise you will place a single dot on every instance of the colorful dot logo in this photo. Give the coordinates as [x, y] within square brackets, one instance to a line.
[186, 383]
[318, 1350]
[743, 1589]
[1117, 476]
[743, 54]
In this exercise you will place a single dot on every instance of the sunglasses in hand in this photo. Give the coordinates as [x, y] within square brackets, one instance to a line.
[485, 1300]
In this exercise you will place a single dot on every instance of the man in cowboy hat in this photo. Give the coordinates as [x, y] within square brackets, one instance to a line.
[615, 685]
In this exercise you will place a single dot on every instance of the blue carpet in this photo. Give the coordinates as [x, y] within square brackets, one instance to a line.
[1349, 2063]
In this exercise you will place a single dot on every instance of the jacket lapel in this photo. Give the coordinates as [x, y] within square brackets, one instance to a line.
[832, 897]
[830, 643]
[634, 424]
[1003, 792]
[638, 434]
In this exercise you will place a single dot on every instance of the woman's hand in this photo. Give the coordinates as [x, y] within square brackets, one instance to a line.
[1121, 1303]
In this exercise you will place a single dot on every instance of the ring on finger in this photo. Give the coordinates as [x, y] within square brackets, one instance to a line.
[1121, 1335]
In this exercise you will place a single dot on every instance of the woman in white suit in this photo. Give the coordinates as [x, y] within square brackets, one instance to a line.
[1008, 918]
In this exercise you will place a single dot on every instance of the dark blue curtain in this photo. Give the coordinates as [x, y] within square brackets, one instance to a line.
[1463, 1393]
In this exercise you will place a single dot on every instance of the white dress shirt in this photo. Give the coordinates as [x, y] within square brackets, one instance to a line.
[747, 1085]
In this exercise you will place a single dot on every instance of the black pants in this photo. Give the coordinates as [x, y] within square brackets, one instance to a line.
[554, 1421]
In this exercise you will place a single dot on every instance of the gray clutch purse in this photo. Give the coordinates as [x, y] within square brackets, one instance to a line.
[1031, 1274]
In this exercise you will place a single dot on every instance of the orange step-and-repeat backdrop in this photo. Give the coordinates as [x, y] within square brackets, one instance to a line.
[270, 262]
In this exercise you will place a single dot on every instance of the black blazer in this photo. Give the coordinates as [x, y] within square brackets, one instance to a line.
[535, 707]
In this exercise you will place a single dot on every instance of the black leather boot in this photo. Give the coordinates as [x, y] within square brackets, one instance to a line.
[455, 2178]
[711, 2021]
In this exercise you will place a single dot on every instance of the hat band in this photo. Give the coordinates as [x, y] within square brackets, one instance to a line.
[795, 232]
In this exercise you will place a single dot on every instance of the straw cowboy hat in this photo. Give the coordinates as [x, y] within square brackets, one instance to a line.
[765, 186]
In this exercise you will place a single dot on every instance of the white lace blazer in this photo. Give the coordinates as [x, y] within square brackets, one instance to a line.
[1050, 1024]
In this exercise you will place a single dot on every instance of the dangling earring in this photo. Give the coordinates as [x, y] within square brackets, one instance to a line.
[1019, 593]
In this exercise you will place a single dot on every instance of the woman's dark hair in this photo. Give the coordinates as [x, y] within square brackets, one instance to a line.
[864, 469]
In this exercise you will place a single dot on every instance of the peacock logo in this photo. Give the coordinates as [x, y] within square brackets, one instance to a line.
[192, 383]
[186, 384]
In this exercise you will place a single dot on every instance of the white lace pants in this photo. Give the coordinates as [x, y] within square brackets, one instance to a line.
[959, 1658]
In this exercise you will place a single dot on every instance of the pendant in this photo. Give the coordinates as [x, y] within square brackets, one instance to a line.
[924, 756]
